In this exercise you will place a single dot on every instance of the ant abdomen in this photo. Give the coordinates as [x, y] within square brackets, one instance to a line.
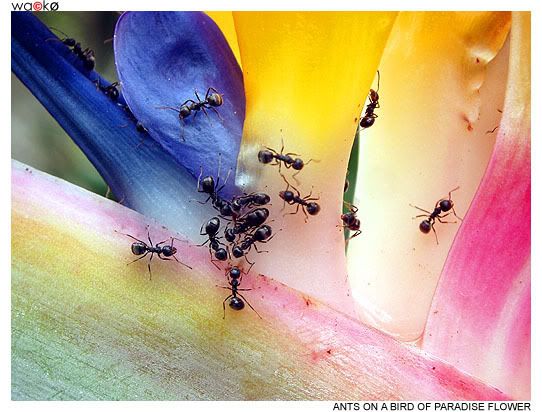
[138, 248]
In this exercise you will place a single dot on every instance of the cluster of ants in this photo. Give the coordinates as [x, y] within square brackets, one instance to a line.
[245, 215]
[88, 60]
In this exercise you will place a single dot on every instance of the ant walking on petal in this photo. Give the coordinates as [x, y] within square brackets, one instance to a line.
[212, 100]
[142, 249]
[442, 206]
[237, 301]
[307, 202]
[351, 221]
[369, 118]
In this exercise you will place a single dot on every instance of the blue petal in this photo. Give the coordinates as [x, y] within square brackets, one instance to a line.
[138, 170]
[162, 59]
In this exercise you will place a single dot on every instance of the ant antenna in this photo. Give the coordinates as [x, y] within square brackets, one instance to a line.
[167, 107]
[58, 30]
[378, 82]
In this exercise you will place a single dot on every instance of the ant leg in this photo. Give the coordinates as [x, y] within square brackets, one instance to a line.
[199, 178]
[460, 218]
[224, 305]
[149, 266]
[248, 271]
[158, 244]
[130, 236]
[293, 213]
[419, 208]
[218, 114]
[178, 261]
[295, 178]
[415, 217]
[358, 232]
[248, 303]
[139, 258]
[248, 261]
[434, 231]
[354, 209]
[260, 251]
[213, 261]
[149, 236]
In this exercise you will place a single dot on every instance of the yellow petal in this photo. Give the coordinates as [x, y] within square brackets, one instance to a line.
[224, 20]
[307, 75]
[438, 98]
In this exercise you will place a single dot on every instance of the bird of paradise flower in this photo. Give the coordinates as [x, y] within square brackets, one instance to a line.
[87, 327]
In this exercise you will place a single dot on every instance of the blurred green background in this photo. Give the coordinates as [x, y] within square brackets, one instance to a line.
[36, 138]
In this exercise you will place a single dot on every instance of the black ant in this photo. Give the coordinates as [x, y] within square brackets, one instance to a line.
[269, 155]
[369, 118]
[263, 235]
[211, 229]
[111, 91]
[211, 188]
[442, 206]
[68, 41]
[306, 202]
[142, 249]
[250, 220]
[240, 202]
[212, 99]
[87, 56]
[237, 301]
[351, 221]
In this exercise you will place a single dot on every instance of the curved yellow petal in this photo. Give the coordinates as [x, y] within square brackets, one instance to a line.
[439, 96]
[224, 20]
[306, 77]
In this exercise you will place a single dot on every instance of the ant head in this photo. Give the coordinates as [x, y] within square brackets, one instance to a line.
[298, 164]
[237, 251]
[313, 208]
[265, 156]
[446, 205]
[113, 93]
[373, 96]
[208, 184]
[226, 210]
[140, 127]
[168, 250]
[236, 303]
[221, 254]
[90, 61]
[69, 42]
[229, 235]
[367, 122]
[215, 100]
[286, 195]
[184, 111]
[425, 226]
[235, 272]
[235, 205]
[138, 248]
[261, 198]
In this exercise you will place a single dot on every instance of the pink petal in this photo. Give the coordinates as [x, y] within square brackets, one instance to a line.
[480, 317]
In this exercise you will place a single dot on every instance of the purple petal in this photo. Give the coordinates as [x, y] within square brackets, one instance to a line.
[162, 59]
